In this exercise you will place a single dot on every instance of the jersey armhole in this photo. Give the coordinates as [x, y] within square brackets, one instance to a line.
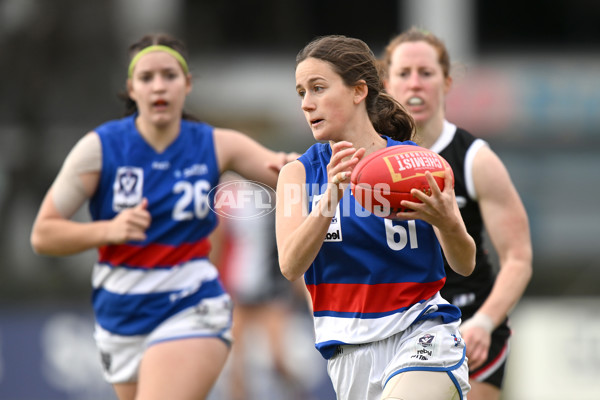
[469, 158]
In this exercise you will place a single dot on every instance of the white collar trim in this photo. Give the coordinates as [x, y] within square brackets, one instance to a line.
[445, 138]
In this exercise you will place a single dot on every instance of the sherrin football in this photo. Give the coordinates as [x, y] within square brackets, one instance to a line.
[381, 180]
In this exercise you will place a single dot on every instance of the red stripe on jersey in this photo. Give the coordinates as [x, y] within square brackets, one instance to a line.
[152, 255]
[377, 298]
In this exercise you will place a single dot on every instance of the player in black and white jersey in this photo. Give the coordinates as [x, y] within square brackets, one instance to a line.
[417, 67]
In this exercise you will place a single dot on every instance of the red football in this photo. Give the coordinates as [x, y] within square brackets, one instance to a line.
[380, 181]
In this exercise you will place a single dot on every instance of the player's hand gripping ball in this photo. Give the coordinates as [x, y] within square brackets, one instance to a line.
[380, 181]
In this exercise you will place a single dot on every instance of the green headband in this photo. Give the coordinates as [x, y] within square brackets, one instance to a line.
[152, 48]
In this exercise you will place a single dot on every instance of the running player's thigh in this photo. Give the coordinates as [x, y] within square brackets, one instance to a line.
[181, 369]
[483, 391]
[420, 385]
[125, 391]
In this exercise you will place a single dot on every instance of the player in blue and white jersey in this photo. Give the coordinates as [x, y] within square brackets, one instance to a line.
[378, 315]
[418, 76]
[163, 319]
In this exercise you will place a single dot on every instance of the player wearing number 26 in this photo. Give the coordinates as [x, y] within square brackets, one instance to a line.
[163, 320]
[374, 282]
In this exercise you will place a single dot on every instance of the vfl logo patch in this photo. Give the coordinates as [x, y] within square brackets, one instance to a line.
[127, 188]
[424, 347]
[426, 340]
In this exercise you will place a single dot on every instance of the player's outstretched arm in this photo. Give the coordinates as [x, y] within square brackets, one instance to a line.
[240, 153]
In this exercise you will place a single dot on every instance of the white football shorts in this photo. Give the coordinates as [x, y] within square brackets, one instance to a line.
[121, 355]
[360, 372]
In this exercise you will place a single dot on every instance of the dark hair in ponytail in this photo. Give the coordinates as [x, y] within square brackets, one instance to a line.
[354, 61]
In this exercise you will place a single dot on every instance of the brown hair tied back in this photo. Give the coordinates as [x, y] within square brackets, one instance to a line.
[354, 61]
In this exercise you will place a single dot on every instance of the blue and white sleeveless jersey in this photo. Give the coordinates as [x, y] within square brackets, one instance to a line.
[373, 277]
[137, 285]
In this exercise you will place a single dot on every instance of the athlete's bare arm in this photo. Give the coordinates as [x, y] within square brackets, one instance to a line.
[239, 153]
[507, 224]
[55, 234]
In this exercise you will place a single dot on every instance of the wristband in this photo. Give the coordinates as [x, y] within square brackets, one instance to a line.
[479, 320]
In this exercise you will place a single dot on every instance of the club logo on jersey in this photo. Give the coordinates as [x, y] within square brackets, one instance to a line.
[457, 340]
[127, 188]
